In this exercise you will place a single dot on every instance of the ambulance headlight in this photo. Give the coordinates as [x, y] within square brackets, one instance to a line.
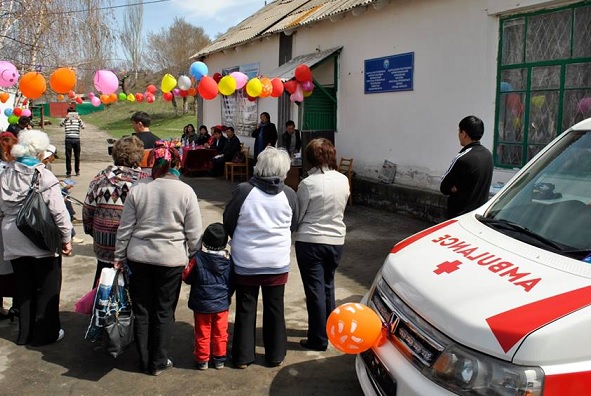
[467, 372]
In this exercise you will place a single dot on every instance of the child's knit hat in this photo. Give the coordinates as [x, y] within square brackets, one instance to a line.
[215, 237]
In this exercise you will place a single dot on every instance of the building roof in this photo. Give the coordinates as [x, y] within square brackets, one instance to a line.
[286, 70]
[279, 16]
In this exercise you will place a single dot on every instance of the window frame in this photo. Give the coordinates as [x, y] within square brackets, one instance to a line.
[527, 89]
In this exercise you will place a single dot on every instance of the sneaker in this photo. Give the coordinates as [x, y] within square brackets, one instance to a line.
[60, 335]
[159, 371]
[219, 365]
[77, 240]
[201, 365]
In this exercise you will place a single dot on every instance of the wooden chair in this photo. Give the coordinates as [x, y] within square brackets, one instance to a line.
[237, 169]
[346, 168]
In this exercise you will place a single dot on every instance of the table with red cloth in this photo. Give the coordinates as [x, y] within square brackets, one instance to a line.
[198, 159]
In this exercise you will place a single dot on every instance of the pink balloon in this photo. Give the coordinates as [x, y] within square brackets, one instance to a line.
[26, 113]
[91, 95]
[8, 74]
[241, 79]
[176, 92]
[96, 102]
[106, 81]
[298, 95]
[308, 86]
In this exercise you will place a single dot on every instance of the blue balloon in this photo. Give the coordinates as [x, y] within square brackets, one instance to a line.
[7, 112]
[198, 69]
[506, 87]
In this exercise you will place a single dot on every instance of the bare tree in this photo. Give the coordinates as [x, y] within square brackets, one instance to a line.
[170, 50]
[131, 34]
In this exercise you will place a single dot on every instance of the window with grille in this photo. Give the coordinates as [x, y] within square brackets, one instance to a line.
[544, 80]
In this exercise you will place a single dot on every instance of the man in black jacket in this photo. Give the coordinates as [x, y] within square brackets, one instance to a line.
[231, 147]
[468, 179]
[291, 140]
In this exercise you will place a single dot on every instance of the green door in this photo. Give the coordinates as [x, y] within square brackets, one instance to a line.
[320, 110]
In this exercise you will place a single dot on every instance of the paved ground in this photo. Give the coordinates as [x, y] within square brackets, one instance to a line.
[77, 367]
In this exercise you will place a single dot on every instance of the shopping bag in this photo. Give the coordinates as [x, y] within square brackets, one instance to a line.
[85, 303]
[101, 304]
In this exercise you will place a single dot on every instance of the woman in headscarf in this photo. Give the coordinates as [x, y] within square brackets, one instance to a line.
[160, 228]
[38, 271]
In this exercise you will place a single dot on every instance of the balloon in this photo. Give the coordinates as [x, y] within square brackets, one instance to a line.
[151, 88]
[184, 82]
[112, 98]
[583, 106]
[168, 83]
[8, 74]
[303, 73]
[60, 97]
[241, 79]
[353, 328]
[505, 86]
[79, 100]
[198, 70]
[267, 87]
[176, 92]
[208, 88]
[192, 91]
[96, 102]
[298, 95]
[62, 80]
[90, 95]
[8, 112]
[538, 101]
[277, 87]
[290, 86]
[104, 99]
[150, 99]
[71, 94]
[17, 112]
[139, 97]
[227, 85]
[32, 85]
[217, 77]
[4, 97]
[130, 97]
[308, 86]
[167, 96]
[254, 87]
[26, 113]
[250, 98]
[12, 119]
[122, 96]
[183, 93]
[307, 93]
[106, 81]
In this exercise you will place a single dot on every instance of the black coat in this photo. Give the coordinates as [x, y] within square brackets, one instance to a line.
[269, 137]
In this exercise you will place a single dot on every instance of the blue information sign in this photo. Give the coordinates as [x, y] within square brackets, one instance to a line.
[389, 74]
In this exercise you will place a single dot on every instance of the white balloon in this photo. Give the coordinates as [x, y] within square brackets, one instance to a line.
[184, 83]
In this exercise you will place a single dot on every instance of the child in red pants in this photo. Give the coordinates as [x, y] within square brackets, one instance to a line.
[208, 273]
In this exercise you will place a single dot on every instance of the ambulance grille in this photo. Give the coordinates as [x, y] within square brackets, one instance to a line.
[408, 332]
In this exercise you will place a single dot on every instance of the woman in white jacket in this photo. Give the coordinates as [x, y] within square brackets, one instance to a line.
[38, 272]
[320, 237]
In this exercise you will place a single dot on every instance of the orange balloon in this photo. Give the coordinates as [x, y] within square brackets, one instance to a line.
[267, 87]
[353, 328]
[62, 80]
[4, 97]
[32, 85]
[60, 97]
[105, 99]
[192, 91]
[112, 98]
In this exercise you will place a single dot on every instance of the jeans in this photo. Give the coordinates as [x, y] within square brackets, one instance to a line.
[72, 145]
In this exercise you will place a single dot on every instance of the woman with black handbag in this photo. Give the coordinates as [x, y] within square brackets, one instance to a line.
[37, 269]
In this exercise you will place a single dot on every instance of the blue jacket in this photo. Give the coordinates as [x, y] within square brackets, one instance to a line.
[210, 283]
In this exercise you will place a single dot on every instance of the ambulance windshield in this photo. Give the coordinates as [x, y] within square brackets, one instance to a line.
[550, 204]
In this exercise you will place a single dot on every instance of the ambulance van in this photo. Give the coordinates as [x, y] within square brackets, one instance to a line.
[496, 302]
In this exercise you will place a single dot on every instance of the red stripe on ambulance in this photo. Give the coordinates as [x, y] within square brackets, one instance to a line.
[567, 384]
[511, 326]
[416, 237]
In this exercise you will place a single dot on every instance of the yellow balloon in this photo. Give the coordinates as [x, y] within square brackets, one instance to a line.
[168, 83]
[131, 97]
[307, 93]
[254, 87]
[227, 85]
[538, 101]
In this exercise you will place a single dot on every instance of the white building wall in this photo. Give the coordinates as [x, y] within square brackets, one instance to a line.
[455, 45]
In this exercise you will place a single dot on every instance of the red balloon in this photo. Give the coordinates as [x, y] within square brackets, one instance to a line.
[150, 99]
[183, 93]
[139, 97]
[250, 98]
[217, 77]
[277, 87]
[151, 88]
[303, 73]
[71, 94]
[290, 86]
[167, 96]
[79, 100]
[17, 111]
[208, 88]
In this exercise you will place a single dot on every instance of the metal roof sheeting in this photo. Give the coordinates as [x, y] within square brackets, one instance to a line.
[286, 70]
[279, 16]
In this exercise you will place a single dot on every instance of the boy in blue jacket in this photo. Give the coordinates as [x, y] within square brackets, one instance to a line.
[208, 273]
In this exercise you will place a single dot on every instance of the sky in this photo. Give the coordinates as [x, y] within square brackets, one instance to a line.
[214, 16]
